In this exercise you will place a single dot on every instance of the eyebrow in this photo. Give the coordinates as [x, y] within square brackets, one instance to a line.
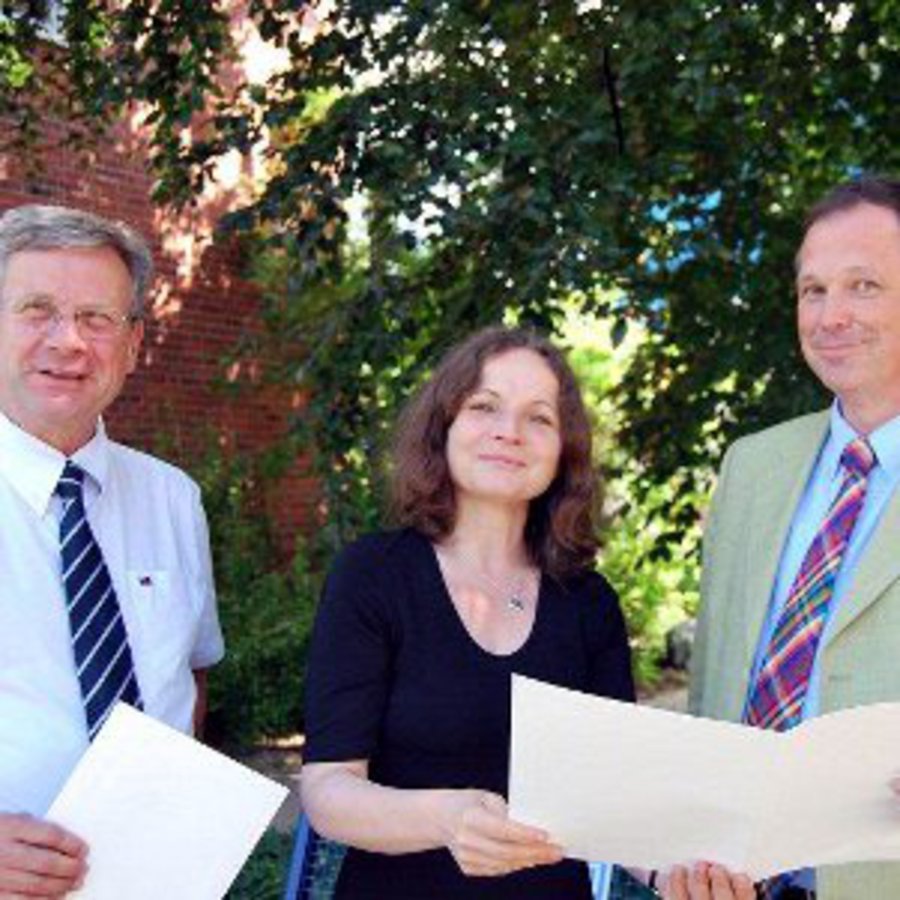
[539, 401]
[98, 304]
[484, 390]
[849, 270]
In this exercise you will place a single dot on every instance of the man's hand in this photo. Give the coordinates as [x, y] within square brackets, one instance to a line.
[705, 881]
[38, 859]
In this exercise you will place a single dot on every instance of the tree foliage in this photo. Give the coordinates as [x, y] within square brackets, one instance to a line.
[652, 160]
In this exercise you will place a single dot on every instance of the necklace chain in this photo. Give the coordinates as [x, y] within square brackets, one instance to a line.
[514, 596]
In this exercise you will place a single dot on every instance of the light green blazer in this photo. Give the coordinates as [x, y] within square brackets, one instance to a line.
[760, 485]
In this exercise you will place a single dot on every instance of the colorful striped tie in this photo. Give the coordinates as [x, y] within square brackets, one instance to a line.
[776, 698]
[99, 640]
[777, 695]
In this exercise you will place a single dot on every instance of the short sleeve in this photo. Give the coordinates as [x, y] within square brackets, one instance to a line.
[348, 674]
[209, 646]
[606, 637]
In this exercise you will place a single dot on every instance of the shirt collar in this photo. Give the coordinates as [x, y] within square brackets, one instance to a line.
[93, 457]
[32, 467]
[885, 441]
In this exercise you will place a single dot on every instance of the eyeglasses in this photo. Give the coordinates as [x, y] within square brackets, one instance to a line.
[93, 323]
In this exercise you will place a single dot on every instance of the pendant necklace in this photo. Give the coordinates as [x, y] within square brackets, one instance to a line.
[514, 596]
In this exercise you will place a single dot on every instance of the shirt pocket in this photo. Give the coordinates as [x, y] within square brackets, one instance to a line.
[161, 625]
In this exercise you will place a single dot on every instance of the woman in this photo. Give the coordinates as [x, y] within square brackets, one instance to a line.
[419, 631]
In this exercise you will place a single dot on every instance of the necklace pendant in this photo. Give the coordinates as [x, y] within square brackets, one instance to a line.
[516, 603]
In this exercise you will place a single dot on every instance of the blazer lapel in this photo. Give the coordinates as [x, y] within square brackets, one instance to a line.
[781, 478]
[878, 568]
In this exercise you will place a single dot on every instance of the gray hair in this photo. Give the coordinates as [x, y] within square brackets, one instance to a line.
[38, 227]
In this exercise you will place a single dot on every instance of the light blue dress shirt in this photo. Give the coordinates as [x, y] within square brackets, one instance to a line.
[820, 492]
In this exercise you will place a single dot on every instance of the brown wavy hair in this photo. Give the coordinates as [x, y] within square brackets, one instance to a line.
[560, 532]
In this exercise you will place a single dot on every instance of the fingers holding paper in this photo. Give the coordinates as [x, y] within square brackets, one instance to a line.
[705, 881]
[485, 841]
[38, 859]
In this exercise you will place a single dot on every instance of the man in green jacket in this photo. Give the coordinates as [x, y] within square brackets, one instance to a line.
[800, 606]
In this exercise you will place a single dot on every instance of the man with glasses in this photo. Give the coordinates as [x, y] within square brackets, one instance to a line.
[106, 590]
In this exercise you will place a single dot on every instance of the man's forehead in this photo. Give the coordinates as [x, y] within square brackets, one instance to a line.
[856, 237]
[862, 218]
[813, 267]
[61, 266]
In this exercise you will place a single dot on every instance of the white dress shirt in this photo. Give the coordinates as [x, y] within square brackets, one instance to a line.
[147, 518]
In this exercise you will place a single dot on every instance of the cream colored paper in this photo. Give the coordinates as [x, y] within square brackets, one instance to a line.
[647, 787]
[164, 816]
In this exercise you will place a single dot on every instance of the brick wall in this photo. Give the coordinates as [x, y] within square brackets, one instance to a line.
[199, 309]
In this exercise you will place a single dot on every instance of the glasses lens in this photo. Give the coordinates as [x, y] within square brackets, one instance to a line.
[37, 311]
[42, 313]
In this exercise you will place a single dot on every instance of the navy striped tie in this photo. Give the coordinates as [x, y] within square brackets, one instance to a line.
[99, 640]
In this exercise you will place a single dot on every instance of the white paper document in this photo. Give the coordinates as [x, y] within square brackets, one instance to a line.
[646, 787]
[163, 815]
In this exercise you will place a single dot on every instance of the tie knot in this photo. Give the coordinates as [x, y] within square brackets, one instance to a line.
[858, 457]
[69, 485]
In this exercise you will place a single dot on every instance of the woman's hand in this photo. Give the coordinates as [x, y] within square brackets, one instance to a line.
[473, 825]
[705, 881]
[485, 841]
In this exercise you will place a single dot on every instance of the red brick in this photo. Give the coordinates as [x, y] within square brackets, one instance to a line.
[172, 398]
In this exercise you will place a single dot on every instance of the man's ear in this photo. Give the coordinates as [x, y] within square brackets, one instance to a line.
[135, 339]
